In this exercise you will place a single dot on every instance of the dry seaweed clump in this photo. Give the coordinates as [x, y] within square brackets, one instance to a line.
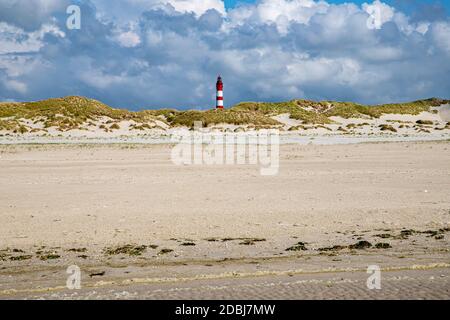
[77, 250]
[360, 245]
[383, 235]
[132, 250]
[188, 244]
[50, 256]
[299, 246]
[251, 241]
[165, 251]
[383, 245]
[333, 248]
[404, 234]
[21, 258]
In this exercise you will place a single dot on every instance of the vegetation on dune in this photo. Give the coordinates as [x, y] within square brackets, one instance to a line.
[13, 126]
[387, 127]
[166, 115]
[67, 113]
[354, 110]
[211, 117]
[304, 110]
[78, 112]
[313, 112]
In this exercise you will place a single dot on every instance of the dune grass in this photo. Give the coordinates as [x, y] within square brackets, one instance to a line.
[67, 113]
[212, 117]
[296, 109]
[74, 112]
[354, 110]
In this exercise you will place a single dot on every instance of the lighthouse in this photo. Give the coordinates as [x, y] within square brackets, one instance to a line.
[219, 95]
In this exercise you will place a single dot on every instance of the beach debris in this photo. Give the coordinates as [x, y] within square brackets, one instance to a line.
[299, 246]
[3, 256]
[21, 258]
[188, 244]
[49, 256]
[404, 234]
[132, 250]
[382, 245]
[164, 251]
[97, 274]
[251, 241]
[360, 245]
[244, 241]
[383, 235]
[77, 250]
[333, 248]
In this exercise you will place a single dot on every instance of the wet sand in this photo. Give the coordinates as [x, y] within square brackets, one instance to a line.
[125, 212]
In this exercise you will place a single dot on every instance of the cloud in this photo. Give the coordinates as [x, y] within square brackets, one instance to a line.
[128, 39]
[379, 13]
[441, 35]
[16, 40]
[167, 53]
[30, 15]
[16, 86]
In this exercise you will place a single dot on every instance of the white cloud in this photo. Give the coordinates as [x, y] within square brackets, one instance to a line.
[379, 13]
[129, 39]
[278, 12]
[17, 86]
[441, 35]
[15, 40]
[127, 10]
[198, 7]
[423, 27]
[30, 15]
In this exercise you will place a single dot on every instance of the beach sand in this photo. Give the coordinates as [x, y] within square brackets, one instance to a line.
[139, 226]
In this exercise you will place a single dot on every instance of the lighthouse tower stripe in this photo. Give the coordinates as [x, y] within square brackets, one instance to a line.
[219, 95]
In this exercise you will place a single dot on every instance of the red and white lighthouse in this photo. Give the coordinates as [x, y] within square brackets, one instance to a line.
[219, 95]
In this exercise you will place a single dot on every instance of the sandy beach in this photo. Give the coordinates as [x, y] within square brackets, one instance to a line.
[139, 226]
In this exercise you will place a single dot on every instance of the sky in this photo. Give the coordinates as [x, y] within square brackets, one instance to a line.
[140, 54]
